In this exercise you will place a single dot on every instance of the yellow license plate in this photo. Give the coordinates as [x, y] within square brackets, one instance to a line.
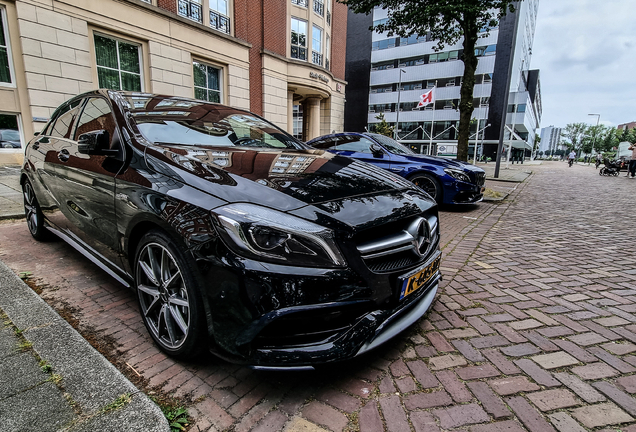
[419, 279]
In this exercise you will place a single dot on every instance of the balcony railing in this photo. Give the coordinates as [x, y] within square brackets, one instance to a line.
[191, 9]
[316, 58]
[328, 18]
[327, 63]
[303, 3]
[219, 22]
[299, 52]
[319, 7]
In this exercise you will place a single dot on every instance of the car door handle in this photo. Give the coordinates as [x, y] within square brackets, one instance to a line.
[35, 146]
[63, 155]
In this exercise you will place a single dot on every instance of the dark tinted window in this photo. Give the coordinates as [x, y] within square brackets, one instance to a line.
[96, 115]
[61, 127]
[392, 145]
[354, 143]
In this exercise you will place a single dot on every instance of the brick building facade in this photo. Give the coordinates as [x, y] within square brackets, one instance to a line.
[272, 57]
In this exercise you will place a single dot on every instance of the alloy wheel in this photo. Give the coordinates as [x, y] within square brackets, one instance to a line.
[163, 296]
[427, 184]
[30, 208]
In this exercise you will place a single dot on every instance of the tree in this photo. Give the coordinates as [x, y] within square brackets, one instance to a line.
[446, 21]
[383, 127]
[573, 135]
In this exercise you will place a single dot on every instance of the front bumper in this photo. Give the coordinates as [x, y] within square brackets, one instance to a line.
[355, 321]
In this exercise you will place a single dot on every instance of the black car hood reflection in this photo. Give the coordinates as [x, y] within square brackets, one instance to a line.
[304, 176]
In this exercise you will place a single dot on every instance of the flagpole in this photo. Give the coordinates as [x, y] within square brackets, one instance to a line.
[481, 91]
[430, 144]
[397, 117]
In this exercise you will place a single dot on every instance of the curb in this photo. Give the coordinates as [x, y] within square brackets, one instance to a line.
[89, 379]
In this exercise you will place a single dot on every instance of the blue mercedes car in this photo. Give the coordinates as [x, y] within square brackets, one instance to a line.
[447, 181]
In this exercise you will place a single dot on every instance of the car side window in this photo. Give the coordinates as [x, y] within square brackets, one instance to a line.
[61, 128]
[359, 145]
[97, 115]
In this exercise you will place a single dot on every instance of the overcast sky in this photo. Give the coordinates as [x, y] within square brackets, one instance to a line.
[586, 51]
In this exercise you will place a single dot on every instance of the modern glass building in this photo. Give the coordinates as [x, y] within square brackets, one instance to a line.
[400, 70]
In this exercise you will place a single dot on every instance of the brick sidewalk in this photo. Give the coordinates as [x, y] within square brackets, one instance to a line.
[534, 328]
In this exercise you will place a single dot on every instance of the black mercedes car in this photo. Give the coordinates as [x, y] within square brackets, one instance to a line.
[236, 237]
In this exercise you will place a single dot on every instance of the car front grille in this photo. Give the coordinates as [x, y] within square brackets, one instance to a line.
[401, 245]
[480, 179]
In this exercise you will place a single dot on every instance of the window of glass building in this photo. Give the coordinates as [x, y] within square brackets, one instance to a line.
[118, 64]
[298, 39]
[207, 82]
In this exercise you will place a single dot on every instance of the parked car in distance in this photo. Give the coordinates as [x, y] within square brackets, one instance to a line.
[447, 181]
[10, 138]
[235, 236]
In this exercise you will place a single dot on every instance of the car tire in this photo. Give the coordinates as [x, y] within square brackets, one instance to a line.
[33, 213]
[428, 184]
[169, 298]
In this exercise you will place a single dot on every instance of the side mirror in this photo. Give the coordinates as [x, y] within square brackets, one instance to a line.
[95, 143]
[376, 150]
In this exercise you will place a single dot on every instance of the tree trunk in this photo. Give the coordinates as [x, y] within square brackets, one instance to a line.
[468, 86]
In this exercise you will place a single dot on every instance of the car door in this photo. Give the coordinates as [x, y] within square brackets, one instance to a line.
[44, 154]
[86, 182]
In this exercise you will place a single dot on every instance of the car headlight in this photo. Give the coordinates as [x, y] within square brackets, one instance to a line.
[267, 235]
[458, 175]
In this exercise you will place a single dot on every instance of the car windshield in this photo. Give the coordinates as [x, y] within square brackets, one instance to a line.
[10, 135]
[391, 145]
[197, 123]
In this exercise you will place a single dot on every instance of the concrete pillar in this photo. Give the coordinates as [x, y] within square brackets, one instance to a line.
[313, 117]
[290, 111]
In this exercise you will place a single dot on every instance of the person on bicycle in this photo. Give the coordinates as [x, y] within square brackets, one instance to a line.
[571, 157]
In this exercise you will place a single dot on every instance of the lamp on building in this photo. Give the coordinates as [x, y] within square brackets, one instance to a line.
[598, 118]
[397, 117]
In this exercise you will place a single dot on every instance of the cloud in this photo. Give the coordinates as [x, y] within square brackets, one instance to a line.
[584, 50]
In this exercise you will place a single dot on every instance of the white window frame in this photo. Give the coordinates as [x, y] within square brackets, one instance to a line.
[129, 42]
[221, 80]
[306, 47]
[221, 14]
[7, 39]
[318, 51]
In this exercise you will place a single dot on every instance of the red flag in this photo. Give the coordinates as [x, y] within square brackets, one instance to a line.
[427, 98]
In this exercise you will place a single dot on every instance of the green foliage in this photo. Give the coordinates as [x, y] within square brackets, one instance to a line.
[573, 135]
[176, 415]
[120, 402]
[383, 127]
[45, 366]
[446, 21]
[177, 418]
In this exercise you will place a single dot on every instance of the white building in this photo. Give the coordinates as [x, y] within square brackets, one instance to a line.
[550, 139]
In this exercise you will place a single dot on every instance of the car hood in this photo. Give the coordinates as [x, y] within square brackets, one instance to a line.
[442, 162]
[282, 179]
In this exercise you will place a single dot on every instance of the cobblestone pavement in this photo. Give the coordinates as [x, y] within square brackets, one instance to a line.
[534, 329]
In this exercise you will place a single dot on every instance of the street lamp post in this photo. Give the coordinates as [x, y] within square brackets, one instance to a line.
[397, 117]
[598, 118]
